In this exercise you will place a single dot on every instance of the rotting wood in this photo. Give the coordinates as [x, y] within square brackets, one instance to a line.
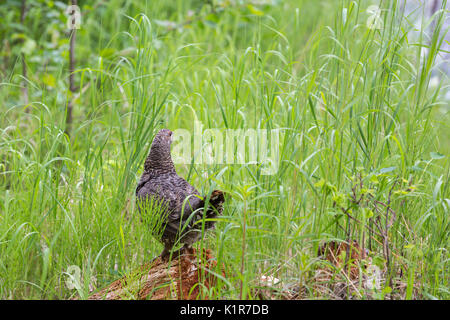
[182, 278]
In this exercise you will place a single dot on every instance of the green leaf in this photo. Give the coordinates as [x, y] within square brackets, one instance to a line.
[28, 46]
[320, 183]
[18, 36]
[254, 10]
[212, 17]
[331, 187]
[374, 179]
[368, 213]
[378, 261]
[49, 80]
[386, 170]
[334, 213]
[210, 23]
[366, 191]
[387, 290]
[403, 192]
[436, 155]
[107, 52]
[340, 199]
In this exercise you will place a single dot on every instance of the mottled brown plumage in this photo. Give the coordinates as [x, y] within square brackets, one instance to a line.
[160, 182]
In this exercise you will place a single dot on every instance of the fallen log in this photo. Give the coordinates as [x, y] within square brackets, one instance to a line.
[185, 277]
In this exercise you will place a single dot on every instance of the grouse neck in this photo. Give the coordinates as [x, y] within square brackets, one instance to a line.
[159, 160]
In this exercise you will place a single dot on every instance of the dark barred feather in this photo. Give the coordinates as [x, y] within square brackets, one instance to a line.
[184, 216]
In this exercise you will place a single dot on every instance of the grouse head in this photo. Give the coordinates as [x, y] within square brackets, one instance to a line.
[159, 158]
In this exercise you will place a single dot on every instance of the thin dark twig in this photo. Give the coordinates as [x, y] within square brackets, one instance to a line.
[386, 237]
[345, 211]
[72, 88]
[23, 12]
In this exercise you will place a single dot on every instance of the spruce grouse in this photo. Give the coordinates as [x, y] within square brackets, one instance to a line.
[161, 185]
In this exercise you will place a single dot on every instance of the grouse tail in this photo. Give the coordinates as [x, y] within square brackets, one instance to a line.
[215, 207]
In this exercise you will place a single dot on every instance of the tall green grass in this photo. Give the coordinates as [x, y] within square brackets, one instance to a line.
[358, 117]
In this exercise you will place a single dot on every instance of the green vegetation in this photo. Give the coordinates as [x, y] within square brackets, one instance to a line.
[364, 149]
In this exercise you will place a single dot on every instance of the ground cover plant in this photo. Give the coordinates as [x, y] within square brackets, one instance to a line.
[360, 154]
